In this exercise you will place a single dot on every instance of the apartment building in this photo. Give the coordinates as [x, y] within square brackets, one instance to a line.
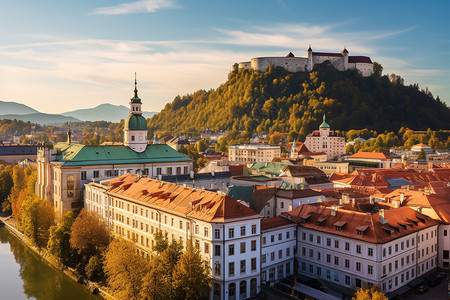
[226, 232]
[251, 153]
[388, 249]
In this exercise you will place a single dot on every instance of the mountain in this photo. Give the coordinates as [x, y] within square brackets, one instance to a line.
[104, 112]
[40, 118]
[295, 103]
[15, 108]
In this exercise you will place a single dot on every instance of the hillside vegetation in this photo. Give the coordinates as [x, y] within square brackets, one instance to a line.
[294, 103]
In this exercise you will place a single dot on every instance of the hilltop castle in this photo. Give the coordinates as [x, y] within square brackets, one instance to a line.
[341, 61]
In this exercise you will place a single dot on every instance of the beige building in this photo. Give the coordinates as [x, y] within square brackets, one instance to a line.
[251, 153]
[326, 140]
[330, 167]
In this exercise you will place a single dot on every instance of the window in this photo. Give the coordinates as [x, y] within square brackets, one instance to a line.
[445, 232]
[396, 264]
[384, 252]
[206, 248]
[347, 246]
[169, 170]
[253, 245]
[329, 242]
[328, 258]
[181, 224]
[280, 254]
[358, 249]
[272, 256]
[132, 137]
[358, 266]
[158, 171]
[230, 250]
[242, 230]
[217, 268]
[272, 238]
[446, 254]
[370, 252]
[231, 269]
[287, 234]
[336, 261]
[254, 230]
[206, 232]
[264, 240]
[70, 186]
[231, 233]
[311, 237]
[216, 250]
[243, 287]
[311, 252]
[242, 266]
[370, 270]
[288, 251]
[217, 234]
[390, 250]
[303, 236]
[83, 175]
[347, 280]
[178, 170]
[318, 239]
[253, 264]
[390, 267]
[243, 247]
[347, 263]
[336, 244]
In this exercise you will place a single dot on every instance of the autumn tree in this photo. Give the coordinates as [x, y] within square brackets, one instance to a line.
[37, 217]
[369, 293]
[6, 184]
[125, 269]
[191, 278]
[89, 235]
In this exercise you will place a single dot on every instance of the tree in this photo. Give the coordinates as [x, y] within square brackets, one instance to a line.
[6, 184]
[161, 242]
[191, 279]
[124, 269]
[37, 217]
[59, 241]
[94, 268]
[89, 235]
[377, 70]
[422, 155]
[202, 145]
[371, 293]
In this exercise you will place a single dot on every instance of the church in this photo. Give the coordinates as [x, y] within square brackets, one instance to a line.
[64, 169]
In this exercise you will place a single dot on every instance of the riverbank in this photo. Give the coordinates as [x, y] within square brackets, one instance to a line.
[9, 224]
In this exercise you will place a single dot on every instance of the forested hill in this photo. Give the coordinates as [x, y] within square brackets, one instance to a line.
[295, 102]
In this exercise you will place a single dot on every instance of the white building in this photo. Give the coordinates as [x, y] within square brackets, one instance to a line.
[278, 242]
[227, 233]
[388, 249]
[64, 169]
[251, 153]
[416, 149]
[341, 61]
[326, 140]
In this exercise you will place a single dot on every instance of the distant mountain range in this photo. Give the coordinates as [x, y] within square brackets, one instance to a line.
[103, 112]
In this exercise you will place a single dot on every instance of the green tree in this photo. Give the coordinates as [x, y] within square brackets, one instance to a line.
[191, 279]
[124, 269]
[367, 293]
[59, 241]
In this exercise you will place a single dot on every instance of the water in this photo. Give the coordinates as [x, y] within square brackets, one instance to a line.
[24, 275]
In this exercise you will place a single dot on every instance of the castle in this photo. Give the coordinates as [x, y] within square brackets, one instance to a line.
[341, 61]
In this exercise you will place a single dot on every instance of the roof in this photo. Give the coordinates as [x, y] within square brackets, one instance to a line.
[193, 203]
[321, 219]
[260, 178]
[327, 54]
[290, 54]
[312, 175]
[324, 124]
[135, 122]
[181, 179]
[359, 59]
[18, 150]
[275, 222]
[82, 155]
[370, 155]
[272, 168]
[240, 193]
[398, 182]
[295, 194]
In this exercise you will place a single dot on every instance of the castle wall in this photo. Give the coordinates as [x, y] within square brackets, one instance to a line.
[291, 64]
[366, 69]
[336, 61]
[245, 65]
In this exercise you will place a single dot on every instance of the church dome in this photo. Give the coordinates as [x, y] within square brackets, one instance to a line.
[324, 124]
[135, 122]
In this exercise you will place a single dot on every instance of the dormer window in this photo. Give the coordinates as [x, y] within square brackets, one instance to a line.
[361, 229]
[305, 218]
[339, 225]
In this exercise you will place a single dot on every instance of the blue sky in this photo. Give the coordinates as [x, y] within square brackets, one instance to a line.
[57, 56]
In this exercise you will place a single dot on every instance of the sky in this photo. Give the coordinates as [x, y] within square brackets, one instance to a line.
[57, 56]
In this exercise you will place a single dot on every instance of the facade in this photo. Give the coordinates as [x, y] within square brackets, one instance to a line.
[365, 160]
[227, 233]
[64, 169]
[278, 242]
[326, 140]
[388, 249]
[12, 154]
[251, 153]
[416, 149]
[330, 167]
[341, 61]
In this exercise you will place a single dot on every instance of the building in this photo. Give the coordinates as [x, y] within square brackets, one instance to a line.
[227, 233]
[330, 167]
[251, 153]
[348, 248]
[341, 61]
[12, 154]
[64, 169]
[365, 160]
[326, 140]
[301, 151]
[416, 149]
[278, 243]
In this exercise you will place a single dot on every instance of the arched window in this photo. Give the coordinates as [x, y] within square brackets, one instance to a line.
[232, 291]
[243, 289]
[70, 186]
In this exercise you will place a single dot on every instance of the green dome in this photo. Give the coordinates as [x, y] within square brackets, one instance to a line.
[135, 122]
[324, 124]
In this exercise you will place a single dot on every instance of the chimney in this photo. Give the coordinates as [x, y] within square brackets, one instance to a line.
[371, 199]
[333, 210]
[381, 214]
[402, 198]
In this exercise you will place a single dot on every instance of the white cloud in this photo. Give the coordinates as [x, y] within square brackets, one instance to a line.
[144, 6]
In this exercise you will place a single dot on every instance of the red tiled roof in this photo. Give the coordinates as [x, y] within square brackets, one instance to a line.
[274, 222]
[198, 204]
[359, 59]
[372, 155]
[321, 219]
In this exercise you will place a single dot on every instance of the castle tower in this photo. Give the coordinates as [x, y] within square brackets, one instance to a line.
[309, 62]
[345, 55]
[135, 126]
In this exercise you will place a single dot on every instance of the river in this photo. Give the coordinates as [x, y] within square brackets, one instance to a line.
[25, 275]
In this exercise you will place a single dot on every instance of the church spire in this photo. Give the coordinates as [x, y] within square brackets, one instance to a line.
[135, 99]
